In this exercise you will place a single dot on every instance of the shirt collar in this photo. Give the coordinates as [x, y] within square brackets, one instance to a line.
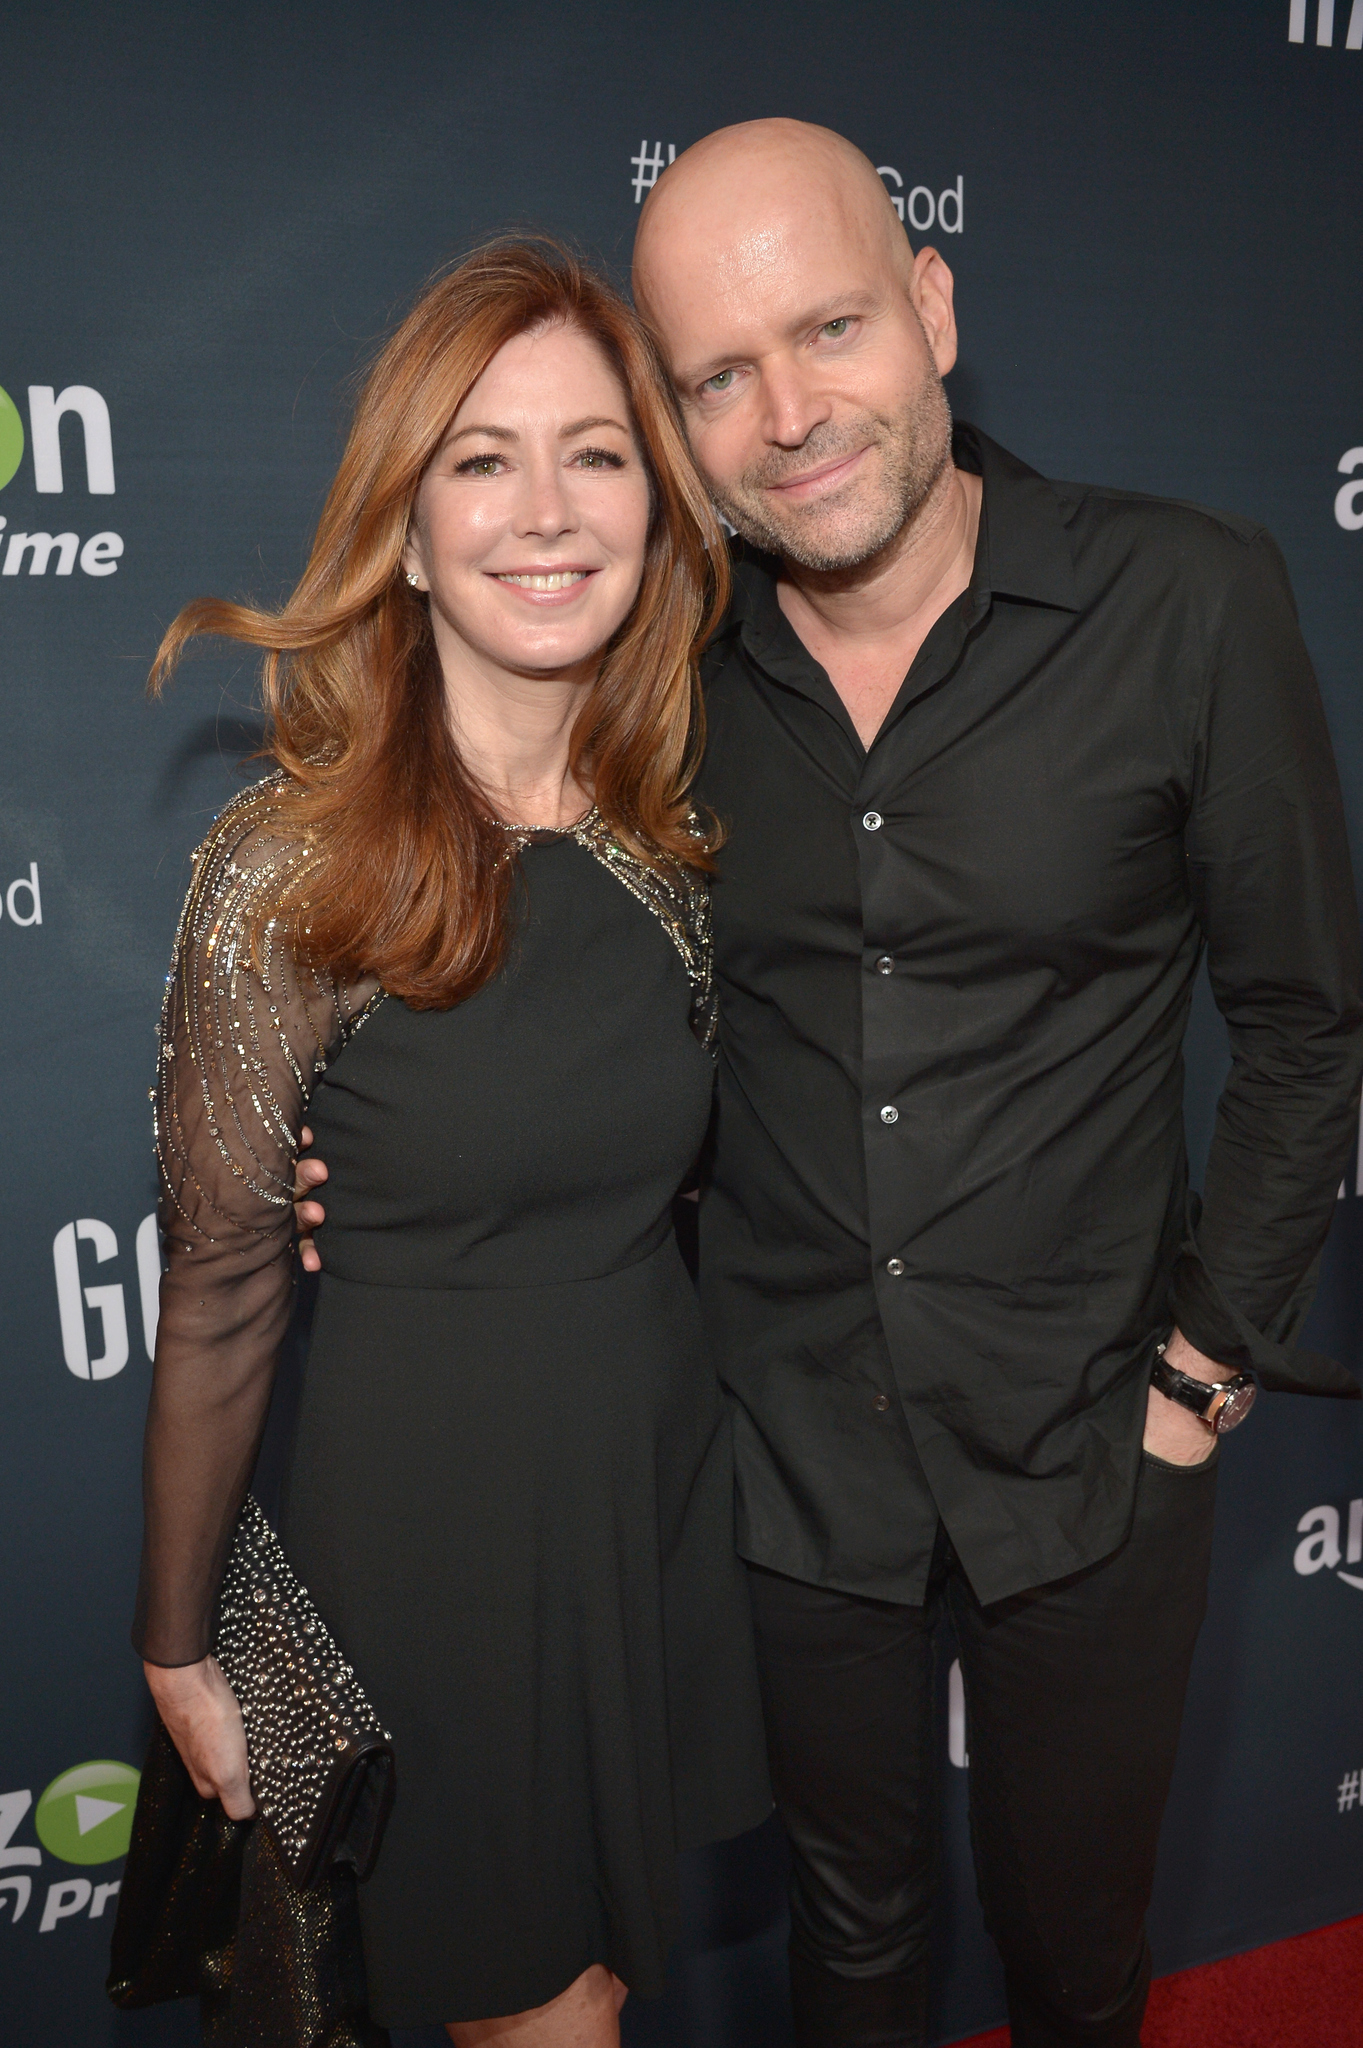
[1023, 552]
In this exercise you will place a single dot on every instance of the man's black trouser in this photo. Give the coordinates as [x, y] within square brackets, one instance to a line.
[1074, 1694]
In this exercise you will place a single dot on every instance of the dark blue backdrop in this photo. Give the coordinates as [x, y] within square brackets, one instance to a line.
[213, 214]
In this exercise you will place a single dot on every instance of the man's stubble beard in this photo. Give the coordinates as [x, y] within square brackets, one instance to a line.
[916, 444]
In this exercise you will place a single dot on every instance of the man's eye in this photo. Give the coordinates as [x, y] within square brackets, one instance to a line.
[721, 381]
[835, 329]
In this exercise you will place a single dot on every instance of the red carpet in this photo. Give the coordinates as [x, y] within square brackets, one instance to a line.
[1302, 1993]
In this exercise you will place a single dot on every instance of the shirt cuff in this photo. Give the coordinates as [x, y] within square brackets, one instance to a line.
[1215, 1326]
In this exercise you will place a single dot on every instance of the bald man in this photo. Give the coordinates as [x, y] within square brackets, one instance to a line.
[998, 758]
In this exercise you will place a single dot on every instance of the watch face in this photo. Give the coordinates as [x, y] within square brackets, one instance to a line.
[1234, 1409]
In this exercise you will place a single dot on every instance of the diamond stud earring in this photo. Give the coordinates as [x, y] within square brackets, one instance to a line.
[412, 578]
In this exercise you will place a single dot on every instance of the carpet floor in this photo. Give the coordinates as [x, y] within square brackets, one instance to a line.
[1303, 1993]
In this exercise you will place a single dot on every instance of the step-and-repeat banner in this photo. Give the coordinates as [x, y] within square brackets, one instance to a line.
[213, 215]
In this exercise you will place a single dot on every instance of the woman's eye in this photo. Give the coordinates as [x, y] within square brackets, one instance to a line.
[721, 381]
[835, 329]
[479, 465]
[600, 458]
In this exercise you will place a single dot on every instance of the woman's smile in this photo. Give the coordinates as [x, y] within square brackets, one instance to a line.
[541, 586]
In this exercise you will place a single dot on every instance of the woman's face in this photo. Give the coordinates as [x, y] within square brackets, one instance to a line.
[531, 519]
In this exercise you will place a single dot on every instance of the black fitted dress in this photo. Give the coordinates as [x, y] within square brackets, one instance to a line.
[511, 1487]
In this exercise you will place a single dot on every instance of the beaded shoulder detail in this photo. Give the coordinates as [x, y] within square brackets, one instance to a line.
[242, 1045]
[678, 897]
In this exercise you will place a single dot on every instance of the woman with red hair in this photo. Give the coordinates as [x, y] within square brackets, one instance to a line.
[464, 926]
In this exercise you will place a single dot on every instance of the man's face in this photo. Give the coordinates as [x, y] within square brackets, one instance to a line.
[811, 387]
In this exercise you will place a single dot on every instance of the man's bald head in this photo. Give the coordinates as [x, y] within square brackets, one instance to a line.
[741, 191]
[806, 341]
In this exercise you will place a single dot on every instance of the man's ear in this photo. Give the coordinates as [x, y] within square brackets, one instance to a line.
[932, 292]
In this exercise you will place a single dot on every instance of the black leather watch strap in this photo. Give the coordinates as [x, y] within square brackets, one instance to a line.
[1221, 1404]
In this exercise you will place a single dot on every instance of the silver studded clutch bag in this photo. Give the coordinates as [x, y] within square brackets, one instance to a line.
[321, 1762]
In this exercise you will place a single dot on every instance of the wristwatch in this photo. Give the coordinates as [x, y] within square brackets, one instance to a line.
[1221, 1404]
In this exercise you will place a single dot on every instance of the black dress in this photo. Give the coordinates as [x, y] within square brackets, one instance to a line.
[511, 1488]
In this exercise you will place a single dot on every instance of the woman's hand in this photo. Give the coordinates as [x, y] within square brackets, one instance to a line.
[203, 1719]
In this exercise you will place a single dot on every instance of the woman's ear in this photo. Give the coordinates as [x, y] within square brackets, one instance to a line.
[413, 568]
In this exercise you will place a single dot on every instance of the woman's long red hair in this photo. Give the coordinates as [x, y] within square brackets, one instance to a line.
[411, 881]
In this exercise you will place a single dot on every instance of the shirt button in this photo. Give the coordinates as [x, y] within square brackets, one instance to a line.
[894, 1267]
[873, 821]
[885, 964]
[889, 1115]
[882, 1402]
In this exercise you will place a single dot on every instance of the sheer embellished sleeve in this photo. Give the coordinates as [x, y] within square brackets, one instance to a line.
[240, 1052]
[679, 897]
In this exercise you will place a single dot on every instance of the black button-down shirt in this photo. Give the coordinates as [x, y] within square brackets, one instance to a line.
[954, 973]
